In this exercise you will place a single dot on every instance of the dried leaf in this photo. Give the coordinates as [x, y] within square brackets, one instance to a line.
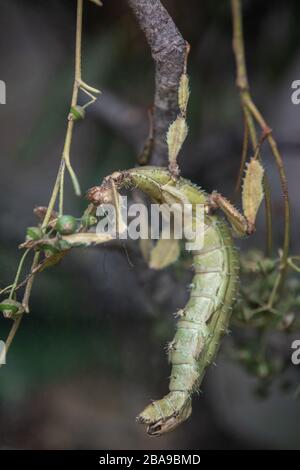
[252, 189]
[164, 253]
[176, 135]
[51, 261]
[41, 212]
[183, 93]
[86, 239]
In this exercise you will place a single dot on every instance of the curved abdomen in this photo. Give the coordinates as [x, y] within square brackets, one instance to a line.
[207, 313]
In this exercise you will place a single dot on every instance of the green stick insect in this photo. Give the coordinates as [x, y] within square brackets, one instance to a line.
[206, 315]
[214, 286]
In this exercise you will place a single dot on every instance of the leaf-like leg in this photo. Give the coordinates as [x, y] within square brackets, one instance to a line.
[238, 221]
[252, 196]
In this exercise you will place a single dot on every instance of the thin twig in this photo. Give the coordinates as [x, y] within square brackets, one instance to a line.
[65, 163]
[243, 87]
[244, 157]
[252, 113]
[76, 86]
[17, 277]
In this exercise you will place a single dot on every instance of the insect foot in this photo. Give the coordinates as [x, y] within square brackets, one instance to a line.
[164, 415]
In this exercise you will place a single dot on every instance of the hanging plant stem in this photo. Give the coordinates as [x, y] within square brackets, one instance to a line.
[58, 189]
[253, 117]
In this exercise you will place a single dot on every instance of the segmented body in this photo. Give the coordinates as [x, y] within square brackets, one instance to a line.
[207, 313]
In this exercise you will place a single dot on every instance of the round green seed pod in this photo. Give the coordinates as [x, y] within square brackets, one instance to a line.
[66, 224]
[77, 113]
[11, 309]
[88, 220]
[34, 233]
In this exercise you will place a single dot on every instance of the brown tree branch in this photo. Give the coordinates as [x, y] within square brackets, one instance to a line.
[168, 50]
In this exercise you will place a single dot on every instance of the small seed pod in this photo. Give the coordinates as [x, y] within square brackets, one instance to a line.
[88, 220]
[34, 233]
[11, 309]
[77, 113]
[66, 224]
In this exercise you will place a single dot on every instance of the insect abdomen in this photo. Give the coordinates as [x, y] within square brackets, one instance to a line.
[207, 312]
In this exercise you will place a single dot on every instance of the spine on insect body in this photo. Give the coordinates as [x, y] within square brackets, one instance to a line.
[207, 313]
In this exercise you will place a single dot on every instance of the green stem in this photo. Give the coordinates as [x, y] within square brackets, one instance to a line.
[7, 288]
[293, 265]
[244, 156]
[61, 192]
[282, 175]
[253, 113]
[64, 162]
[76, 86]
[19, 270]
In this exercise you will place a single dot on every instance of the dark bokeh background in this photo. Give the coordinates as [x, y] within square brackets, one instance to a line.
[91, 355]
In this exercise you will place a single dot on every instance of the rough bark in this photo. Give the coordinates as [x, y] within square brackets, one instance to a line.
[168, 52]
